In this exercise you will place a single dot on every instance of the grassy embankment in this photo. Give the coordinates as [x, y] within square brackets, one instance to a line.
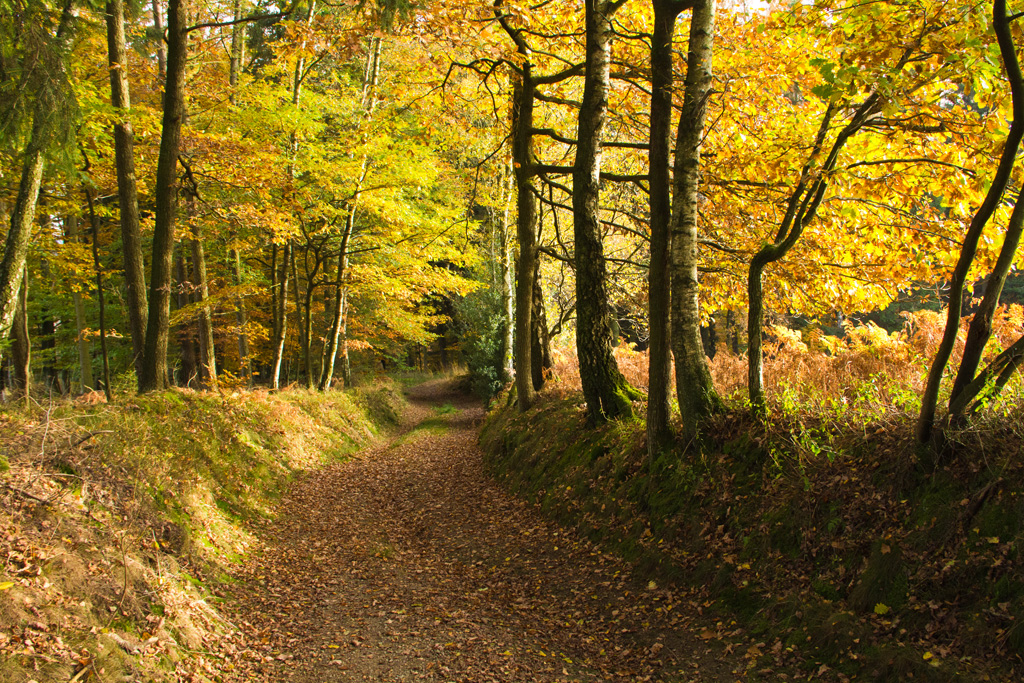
[119, 523]
[826, 541]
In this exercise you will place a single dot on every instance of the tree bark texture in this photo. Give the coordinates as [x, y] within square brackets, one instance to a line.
[161, 51]
[540, 345]
[694, 387]
[526, 231]
[507, 286]
[188, 372]
[21, 349]
[606, 391]
[154, 363]
[127, 191]
[659, 358]
[200, 285]
[23, 214]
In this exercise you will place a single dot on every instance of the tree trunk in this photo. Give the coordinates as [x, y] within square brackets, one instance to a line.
[334, 335]
[186, 338]
[526, 231]
[242, 318]
[507, 287]
[237, 50]
[981, 325]
[801, 209]
[161, 51]
[694, 387]
[346, 365]
[279, 286]
[21, 348]
[127, 193]
[659, 361]
[605, 389]
[540, 351]
[305, 315]
[95, 221]
[84, 350]
[207, 351]
[23, 215]
[154, 362]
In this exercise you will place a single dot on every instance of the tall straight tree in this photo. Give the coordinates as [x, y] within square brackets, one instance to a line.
[127, 192]
[694, 387]
[49, 103]
[660, 363]
[154, 362]
[525, 171]
[606, 391]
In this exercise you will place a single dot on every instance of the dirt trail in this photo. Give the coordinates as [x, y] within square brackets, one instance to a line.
[407, 563]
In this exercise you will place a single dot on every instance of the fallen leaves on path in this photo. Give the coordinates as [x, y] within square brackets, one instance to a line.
[408, 563]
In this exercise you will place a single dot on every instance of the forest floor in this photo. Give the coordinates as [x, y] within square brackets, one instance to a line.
[408, 563]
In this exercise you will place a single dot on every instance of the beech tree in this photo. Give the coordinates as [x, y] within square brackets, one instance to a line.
[606, 391]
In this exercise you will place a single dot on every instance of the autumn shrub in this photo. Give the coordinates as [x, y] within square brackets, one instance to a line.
[869, 373]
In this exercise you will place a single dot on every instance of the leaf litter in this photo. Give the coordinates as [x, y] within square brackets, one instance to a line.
[408, 563]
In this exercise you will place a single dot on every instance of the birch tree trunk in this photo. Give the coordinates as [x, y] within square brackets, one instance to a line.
[279, 287]
[694, 387]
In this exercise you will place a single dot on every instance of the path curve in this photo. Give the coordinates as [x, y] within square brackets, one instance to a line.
[408, 563]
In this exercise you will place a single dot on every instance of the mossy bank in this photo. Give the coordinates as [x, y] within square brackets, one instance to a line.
[829, 545]
[119, 523]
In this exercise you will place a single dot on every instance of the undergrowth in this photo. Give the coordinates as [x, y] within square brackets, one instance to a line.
[824, 538]
[119, 523]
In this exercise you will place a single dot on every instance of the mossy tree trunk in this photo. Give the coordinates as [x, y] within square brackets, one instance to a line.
[606, 391]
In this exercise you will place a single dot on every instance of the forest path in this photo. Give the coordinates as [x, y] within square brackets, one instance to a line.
[408, 563]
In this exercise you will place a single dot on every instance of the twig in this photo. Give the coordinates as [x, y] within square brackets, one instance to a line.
[78, 676]
[89, 436]
[28, 495]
